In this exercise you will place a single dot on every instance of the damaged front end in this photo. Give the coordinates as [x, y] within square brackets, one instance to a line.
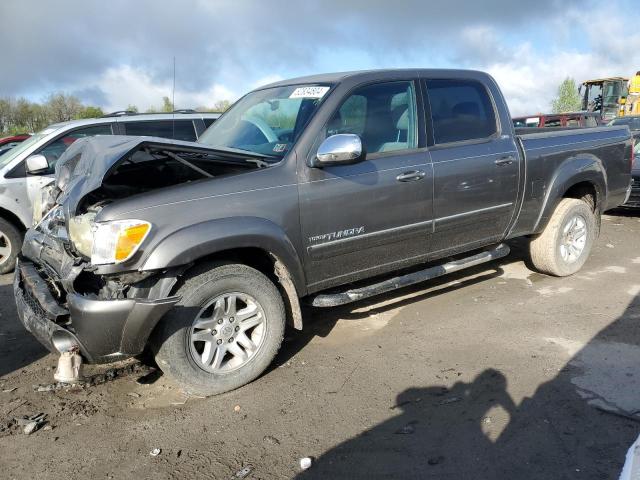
[76, 285]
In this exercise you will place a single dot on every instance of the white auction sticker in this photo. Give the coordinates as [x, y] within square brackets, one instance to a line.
[309, 92]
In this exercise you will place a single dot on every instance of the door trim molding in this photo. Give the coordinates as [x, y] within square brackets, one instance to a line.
[368, 240]
[472, 212]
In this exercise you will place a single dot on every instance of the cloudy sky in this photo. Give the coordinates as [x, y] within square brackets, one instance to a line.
[119, 52]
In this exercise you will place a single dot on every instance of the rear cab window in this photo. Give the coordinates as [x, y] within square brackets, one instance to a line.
[461, 110]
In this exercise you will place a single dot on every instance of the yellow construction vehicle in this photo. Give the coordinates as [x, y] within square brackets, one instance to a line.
[612, 97]
[605, 95]
[632, 104]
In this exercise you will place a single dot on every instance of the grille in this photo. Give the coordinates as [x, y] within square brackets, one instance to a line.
[31, 302]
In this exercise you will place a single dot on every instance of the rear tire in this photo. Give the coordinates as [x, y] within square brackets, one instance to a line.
[564, 245]
[10, 245]
[224, 332]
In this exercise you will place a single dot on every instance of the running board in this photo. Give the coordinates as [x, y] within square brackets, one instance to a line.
[335, 299]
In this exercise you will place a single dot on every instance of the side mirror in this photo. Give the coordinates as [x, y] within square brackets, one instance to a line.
[37, 163]
[341, 149]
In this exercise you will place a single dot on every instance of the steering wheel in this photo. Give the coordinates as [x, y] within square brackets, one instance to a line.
[264, 128]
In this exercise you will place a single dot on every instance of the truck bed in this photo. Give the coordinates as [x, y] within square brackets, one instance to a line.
[547, 151]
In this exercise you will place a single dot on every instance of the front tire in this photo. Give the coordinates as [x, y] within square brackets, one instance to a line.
[10, 244]
[224, 332]
[564, 245]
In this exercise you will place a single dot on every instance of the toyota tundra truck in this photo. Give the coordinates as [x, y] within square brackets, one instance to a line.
[320, 190]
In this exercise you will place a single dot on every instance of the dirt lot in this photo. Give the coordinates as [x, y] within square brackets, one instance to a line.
[496, 373]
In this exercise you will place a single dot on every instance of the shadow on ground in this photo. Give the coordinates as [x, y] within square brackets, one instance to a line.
[319, 322]
[18, 348]
[577, 425]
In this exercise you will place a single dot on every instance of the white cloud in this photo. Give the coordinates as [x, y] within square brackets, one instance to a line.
[126, 85]
[530, 77]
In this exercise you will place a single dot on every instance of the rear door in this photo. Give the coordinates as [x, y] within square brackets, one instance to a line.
[366, 218]
[475, 164]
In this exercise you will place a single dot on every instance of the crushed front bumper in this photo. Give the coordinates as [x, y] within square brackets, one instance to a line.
[103, 330]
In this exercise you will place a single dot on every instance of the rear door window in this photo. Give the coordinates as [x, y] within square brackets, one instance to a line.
[178, 130]
[461, 110]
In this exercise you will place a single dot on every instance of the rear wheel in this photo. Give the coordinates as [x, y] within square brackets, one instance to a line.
[564, 245]
[10, 244]
[224, 332]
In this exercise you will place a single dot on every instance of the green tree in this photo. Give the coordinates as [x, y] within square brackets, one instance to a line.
[221, 106]
[132, 108]
[568, 99]
[167, 105]
[62, 107]
[90, 112]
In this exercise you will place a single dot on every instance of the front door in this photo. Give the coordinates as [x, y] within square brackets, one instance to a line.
[476, 167]
[367, 218]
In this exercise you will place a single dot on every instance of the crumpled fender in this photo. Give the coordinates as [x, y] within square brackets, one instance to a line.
[202, 239]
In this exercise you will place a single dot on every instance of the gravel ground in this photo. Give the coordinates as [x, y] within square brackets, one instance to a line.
[497, 372]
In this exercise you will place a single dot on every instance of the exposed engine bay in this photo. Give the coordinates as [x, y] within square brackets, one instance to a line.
[152, 168]
[69, 238]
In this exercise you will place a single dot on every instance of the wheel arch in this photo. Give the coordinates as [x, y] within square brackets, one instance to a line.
[257, 243]
[581, 177]
[9, 216]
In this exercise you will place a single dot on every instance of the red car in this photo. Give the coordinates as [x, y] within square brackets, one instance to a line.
[576, 119]
[7, 143]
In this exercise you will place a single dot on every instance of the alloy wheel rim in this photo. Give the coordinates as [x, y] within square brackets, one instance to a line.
[227, 333]
[5, 248]
[574, 239]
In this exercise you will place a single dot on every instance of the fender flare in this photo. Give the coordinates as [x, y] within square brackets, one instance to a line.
[577, 169]
[202, 239]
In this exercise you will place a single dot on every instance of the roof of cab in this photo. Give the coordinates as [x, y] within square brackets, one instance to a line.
[365, 75]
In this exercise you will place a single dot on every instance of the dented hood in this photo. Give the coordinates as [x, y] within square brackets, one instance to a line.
[85, 164]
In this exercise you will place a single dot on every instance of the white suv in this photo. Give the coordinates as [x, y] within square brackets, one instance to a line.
[29, 166]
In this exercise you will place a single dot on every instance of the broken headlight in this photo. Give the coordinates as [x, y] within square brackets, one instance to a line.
[107, 242]
[81, 233]
[118, 240]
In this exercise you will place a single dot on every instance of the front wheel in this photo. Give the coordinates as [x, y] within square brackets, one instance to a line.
[564, 245]
[224, 332]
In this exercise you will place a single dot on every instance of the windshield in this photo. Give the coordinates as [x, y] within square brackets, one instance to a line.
[8, 157]
[266, 122]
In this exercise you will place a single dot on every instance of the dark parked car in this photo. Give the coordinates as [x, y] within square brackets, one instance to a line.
[324, 189]
[634, 198]
[632, 121]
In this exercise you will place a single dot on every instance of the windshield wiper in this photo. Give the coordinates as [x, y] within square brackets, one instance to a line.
[259, 163]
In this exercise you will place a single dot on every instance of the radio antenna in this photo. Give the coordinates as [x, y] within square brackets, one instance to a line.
[173, 101]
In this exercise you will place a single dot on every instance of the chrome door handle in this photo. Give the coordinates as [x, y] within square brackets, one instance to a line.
[505, 161]
[411, 176]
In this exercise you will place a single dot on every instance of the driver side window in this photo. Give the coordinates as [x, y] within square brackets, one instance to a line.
[383, 115]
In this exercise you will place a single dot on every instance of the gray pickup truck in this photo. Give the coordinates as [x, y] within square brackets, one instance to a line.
[325, 189]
